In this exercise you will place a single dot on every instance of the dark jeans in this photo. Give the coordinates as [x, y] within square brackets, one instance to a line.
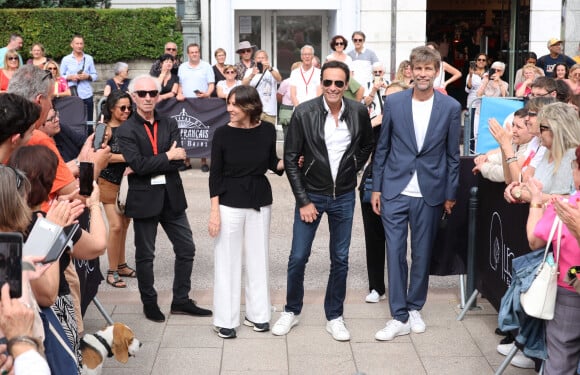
[89, 108]
[176, 226]
[340, 211]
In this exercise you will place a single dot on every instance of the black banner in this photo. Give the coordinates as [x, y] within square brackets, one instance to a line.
[197, 119]
[501, 237]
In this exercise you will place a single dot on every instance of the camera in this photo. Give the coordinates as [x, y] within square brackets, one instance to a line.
[260, 67]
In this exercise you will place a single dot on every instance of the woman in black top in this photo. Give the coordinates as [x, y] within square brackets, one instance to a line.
[169, 80]
[241, 199]
[117, 109]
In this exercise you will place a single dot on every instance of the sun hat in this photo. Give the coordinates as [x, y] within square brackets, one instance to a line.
[244, 45]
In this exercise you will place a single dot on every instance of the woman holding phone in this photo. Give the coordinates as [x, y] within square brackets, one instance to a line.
[117, 109]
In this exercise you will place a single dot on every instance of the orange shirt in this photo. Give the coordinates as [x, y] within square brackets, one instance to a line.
[63, 175]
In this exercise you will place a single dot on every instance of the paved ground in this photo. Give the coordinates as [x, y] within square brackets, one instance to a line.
[186, 345]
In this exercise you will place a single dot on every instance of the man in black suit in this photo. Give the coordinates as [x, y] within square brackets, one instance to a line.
[152, 147]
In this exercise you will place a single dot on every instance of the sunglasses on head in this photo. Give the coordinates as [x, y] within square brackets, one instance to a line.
[329, 82]
[357, 40]
[125, 108]
[143, 93]
[18, 176]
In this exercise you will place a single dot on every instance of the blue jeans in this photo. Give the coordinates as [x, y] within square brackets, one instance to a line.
[340, 211]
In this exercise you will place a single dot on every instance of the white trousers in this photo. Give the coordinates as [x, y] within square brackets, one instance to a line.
[244, 233]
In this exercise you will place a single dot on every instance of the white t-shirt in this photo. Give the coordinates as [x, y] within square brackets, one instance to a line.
[267, 88]
[305, 82]
[421, 117]
[337, 139]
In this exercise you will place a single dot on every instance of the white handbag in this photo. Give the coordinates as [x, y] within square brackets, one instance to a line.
[540, 299]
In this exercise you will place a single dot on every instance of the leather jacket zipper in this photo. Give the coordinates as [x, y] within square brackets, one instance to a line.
[310, 166]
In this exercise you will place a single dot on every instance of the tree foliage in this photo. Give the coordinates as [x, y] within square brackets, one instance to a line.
[110, 34]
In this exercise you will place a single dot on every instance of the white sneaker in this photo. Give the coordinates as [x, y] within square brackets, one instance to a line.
[337, 329]
[417, 323]
[393, 329]
[285, 323]
[519, 360]
[373, 297]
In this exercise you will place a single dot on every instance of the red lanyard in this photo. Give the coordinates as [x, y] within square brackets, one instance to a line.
[152, 138]
[309, 79]
[529, 159]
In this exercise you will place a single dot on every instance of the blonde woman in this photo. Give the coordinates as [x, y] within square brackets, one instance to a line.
[404, 73]
[60, 83]
[11, 65]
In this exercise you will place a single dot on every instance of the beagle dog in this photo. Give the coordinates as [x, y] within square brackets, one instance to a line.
[117, 340]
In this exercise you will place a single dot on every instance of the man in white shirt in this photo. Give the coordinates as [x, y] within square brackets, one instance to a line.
[264, 77]
[362, 59]
[305, 81]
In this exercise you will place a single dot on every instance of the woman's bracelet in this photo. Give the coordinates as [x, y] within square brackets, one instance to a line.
[537, 205]
[511, 159]
[22, 339]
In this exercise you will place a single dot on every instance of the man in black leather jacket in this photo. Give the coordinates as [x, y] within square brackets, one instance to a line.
[334, 136]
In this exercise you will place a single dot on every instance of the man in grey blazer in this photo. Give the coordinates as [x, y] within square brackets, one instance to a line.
[415, 179]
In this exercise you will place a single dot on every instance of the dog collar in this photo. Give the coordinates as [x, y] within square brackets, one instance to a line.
[105, 344]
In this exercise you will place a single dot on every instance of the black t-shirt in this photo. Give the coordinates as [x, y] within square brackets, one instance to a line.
[239, 161]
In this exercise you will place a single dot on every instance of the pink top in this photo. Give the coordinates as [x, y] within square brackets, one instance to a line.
[62, 84]
[528, 90]
[569, 249]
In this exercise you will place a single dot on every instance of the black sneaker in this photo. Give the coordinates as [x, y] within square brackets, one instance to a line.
[153, 313]
[225, 333]
[258, 327]
[189, 308]
[204, 168]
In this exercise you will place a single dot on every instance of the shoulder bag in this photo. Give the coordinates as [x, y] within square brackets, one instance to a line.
[540, 299]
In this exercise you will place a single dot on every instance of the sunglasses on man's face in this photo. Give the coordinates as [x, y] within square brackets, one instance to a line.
[171, 49]
[248, 50]
[329, 82]
[357, 40]
[144, 93]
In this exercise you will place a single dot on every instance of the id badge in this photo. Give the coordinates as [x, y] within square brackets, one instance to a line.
[158, 180]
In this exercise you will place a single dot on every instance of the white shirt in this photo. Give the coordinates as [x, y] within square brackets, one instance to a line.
[266, 88]
[337, 138]
[421, 115]
[535, 146]
[30, 362]
[305, 82]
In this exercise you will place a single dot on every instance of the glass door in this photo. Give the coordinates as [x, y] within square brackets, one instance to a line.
[283, 33]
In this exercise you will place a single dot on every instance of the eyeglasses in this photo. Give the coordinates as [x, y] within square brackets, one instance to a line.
[329, 82]
[12, 58]
[338, 43]
[481, 59]
[126, 108]
[532, 95]
[543, 128]
[19, 177]
[47, 75]
[51, 69]
[245, 50]
[171, 49]
[143, 93]
[53, 117]
[357, 40]
[532, 114]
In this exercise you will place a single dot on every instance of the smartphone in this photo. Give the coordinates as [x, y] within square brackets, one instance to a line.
[197, 92]
[472, 65]
[377, 80]
[260, 67]
[11, 262]
[491, 72]
[61, 243]
[86, 177]
[100, 130]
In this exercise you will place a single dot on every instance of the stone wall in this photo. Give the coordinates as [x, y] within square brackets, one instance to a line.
[105, 72]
